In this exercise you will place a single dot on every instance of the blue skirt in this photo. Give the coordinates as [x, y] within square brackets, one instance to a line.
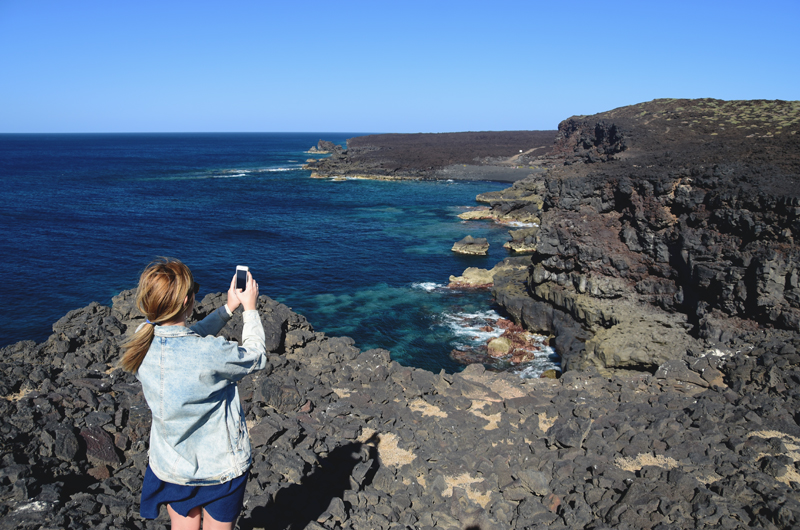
[223, 501]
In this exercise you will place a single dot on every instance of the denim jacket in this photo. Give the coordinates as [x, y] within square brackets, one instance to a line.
[198, 435]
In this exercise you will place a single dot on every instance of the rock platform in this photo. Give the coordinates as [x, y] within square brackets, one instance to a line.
[348, 439]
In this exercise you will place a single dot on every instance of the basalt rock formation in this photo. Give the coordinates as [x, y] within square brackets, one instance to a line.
[348, 439]
[665, 228]
[666, 246]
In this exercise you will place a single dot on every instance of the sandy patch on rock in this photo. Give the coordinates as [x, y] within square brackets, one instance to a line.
[341, 392]
[389, 452]
[464, 481]
[23, 392]
[420, 405]
[493, 419]
[708, 479]
[501, 387]
[545, 421]
[635, 463]
[792, 444]
[366, 434]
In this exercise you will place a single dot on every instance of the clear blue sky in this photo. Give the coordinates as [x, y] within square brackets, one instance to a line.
[378, 66]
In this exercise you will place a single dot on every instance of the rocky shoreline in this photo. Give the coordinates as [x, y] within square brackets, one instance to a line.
[505, 156]
[662, 259]
[350, 439]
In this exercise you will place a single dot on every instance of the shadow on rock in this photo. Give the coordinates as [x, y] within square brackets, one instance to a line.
[319, 496]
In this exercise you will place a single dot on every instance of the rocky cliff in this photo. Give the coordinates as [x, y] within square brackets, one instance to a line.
[665, 228]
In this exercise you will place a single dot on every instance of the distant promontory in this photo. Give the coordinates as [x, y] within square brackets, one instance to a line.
[505, 156]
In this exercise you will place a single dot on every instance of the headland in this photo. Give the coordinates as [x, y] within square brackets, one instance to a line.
[505, 156]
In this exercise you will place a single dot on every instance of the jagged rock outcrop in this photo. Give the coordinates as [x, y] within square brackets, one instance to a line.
[474, 277]
[664, 226]
[324, 147]
[523, 240]
[478, 246]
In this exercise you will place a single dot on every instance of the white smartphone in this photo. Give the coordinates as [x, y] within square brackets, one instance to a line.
[241, 277]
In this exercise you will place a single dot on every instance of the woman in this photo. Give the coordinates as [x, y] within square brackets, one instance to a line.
[199, 445]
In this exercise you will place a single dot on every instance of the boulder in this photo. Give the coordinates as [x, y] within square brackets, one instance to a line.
[523, 240]
[478, 246]
[472, 277]
[499, 347]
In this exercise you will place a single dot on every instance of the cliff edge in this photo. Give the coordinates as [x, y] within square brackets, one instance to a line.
[665, 228]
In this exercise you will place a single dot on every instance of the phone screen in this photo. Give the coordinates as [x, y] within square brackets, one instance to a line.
[241, 280]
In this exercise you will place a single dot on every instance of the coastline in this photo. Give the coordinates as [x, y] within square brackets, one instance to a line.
[505, 156]
[456, 172]
[677, 407]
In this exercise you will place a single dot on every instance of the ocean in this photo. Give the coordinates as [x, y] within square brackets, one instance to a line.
[82, 214]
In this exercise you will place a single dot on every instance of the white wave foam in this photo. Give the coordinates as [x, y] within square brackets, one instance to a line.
[520, 224]
[239, 173]
[427, 286]
[277, 169]
[534, 369]
[468, 326]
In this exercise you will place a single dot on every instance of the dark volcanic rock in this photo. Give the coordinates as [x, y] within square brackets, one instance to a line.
[668, 228]
[504, 156]
[350, 439]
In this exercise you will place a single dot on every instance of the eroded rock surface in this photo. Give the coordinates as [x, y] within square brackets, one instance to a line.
[665, 227]
[348, 439]
[478, 246]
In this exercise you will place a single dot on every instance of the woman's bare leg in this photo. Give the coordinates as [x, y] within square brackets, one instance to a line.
[209, 523]
[179, 522]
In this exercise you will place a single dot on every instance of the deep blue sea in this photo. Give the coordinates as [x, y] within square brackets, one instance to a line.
[82, 214]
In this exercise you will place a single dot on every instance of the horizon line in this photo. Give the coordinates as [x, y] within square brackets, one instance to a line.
[271, 132]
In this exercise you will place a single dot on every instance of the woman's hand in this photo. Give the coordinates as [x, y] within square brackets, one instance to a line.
[233, 298]
[249, 296]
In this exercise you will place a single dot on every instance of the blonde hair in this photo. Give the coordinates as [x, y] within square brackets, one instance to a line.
[163, 287]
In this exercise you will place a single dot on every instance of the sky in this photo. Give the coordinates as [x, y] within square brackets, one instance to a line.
[378, 66]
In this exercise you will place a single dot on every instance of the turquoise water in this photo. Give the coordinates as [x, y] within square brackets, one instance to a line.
[81, 215]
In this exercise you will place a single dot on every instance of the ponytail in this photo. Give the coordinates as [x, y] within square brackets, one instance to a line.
[163, 287]
[136, 348]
